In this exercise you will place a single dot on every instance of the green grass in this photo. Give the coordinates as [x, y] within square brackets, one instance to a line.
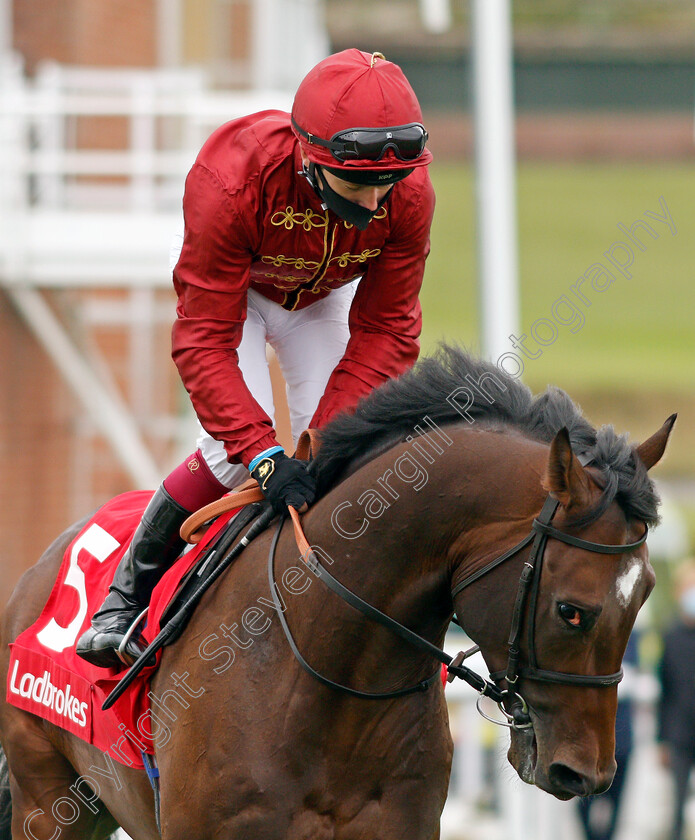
[543, 14]
[632, 363]
[638, 333]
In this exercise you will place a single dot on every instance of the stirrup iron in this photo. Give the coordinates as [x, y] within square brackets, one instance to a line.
[120, 652]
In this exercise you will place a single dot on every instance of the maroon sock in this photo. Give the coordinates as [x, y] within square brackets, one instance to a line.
[193, 485]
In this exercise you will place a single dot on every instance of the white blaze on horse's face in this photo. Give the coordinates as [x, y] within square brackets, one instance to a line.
[628, 581]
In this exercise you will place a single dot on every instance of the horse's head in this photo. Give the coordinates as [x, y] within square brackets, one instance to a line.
[575, 616]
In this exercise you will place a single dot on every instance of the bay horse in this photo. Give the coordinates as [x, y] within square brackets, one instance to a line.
[434, 477]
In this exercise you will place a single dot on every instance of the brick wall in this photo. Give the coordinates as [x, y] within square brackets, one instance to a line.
[36, 428]
[39, 417]
[111, 33]
[58, 466]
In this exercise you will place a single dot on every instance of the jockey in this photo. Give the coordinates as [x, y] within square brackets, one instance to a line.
[308, 232]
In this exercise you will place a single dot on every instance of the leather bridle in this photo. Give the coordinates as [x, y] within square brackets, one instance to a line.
[510, 701]
[517, 717]
[527, 594]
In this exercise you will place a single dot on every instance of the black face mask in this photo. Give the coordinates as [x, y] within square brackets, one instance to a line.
[350, 212]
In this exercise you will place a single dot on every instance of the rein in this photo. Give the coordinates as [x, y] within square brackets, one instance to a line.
[312, 562]
[518, 716]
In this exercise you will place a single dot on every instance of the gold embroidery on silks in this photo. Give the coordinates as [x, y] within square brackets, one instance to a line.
[314, 283]
[289, 217]
[295, 262]
[345, 259]
[309, 220]
[342, 260]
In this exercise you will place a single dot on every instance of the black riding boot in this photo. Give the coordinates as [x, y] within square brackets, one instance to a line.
[155, 546]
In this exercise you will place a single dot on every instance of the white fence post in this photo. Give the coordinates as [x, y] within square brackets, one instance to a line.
[14, 133]
[495, 174]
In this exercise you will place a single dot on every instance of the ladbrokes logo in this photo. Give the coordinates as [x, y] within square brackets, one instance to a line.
[41, 690]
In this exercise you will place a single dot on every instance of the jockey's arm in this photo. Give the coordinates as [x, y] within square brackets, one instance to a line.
[211, 280]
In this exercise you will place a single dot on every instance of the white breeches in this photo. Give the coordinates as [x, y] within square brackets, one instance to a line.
[308, 344]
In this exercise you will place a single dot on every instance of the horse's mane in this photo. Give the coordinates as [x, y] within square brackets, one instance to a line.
[391, 413]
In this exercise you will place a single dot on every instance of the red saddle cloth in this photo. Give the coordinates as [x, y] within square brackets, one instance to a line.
[48, 679]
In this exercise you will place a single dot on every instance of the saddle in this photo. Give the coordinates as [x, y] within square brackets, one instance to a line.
[254, 509]
[47, 678]
[257, 513]
[197, 577]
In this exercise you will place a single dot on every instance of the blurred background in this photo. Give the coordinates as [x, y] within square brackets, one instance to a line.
[103, 106]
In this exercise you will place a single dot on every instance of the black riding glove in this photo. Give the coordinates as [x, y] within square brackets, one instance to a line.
[284, 482]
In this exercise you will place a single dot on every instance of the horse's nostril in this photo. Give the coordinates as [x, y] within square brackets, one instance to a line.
[567, 780]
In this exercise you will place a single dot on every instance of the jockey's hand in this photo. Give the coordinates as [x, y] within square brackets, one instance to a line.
[284, 482]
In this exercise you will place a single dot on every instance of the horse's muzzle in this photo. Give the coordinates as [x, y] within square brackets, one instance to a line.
[565, 782]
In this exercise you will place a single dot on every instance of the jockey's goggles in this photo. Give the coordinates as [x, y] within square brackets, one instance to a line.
[406, 141]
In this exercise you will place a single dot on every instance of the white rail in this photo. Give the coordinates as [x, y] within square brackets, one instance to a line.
[92, 166]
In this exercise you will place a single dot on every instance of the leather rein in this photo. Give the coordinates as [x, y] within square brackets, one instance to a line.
[517, 717]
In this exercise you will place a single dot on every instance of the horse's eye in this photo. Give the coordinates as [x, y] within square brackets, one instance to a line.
[571, 615]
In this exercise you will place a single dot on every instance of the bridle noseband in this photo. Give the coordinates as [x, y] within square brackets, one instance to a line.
[518, 716]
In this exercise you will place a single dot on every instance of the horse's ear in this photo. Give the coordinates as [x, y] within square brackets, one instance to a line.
[652, 449]
[565, 477]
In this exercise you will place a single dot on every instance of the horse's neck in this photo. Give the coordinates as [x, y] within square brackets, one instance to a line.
[393, 530]
[412, 501]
